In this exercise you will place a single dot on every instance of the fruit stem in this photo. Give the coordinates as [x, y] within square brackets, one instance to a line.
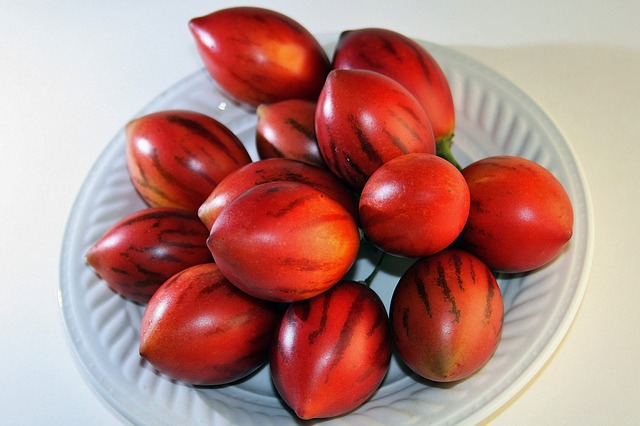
[443, 150]
[367, 281]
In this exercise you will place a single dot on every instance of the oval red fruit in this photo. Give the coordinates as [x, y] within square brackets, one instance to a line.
[521, 217]
[364, 119]
[286, 130]
[284, 241]
[446, 315]
[332, 351]
[142, 250]
[272, 170]
[406, 61]
[260, 56]
[175, 158]
[414, 205]
[200, 329]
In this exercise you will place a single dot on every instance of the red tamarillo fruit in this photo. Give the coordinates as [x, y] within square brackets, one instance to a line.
[409, 63]
[142, 250]
[260, 56]
[446, 315]
[364, 119]
[176, 158]
[331, 352]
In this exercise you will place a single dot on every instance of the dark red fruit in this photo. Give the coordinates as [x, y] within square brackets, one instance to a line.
[272, 170]
[409, 63]
[521, 216]
[260, 56]
[446, 315]
[286, 130]
[364, 119]
[414, 205]
[140, 252]
[284, 241]
[200, 329]
[176, 158]
[332, 351]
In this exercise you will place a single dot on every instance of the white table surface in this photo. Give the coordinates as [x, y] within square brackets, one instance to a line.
[73, 72]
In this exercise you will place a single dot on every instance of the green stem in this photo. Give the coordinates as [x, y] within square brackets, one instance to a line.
[369, 280]
[443, 150]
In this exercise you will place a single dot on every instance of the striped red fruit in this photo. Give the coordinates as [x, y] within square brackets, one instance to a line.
[200, 329]
[331, 352]
[364, 119]
[175, 158]
[286, 129]
[446, 315]
[414, 205]
[272, 170]
[145, 248]
[260, 56]
[409, 63]
[284, 241]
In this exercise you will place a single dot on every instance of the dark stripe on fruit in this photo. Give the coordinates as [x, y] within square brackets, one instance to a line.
[488, 309]
[457, 264]
[441, 281]
[292, 205]
[425, 66]
[406, 322]
[212, 287]
[200, 130]
[185, 162]
[397, 142]
[322, 325]
[346, 332]
[389, 46]
[299, 127]
[365, 144]
[422, 291]
[354, 173]
[169, 177]
[405, 124]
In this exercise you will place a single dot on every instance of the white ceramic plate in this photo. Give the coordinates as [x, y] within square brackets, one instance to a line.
[493, 117]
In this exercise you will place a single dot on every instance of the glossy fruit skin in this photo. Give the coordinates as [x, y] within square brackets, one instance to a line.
[286, 129]
[521, 217]
[145, 248]
[331, 352]
[272, 170]
[364, 119]
[446, 315]
[406, 61]
[200, 329]
[284, 241]
[260, 56]
[175, 158]
[414, 205]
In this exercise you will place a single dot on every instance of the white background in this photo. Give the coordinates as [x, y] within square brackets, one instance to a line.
[73, 72]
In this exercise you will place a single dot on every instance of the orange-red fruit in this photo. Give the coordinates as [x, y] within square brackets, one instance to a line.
[142, 250]
[446, 315]
[521, 217]
[364, 119]
[271, 170]
[175, 158]
[332, 351]
[414, 205]
[200, 329]
[286, 130]
[406, 61]
[260, 56]
[284, 241]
